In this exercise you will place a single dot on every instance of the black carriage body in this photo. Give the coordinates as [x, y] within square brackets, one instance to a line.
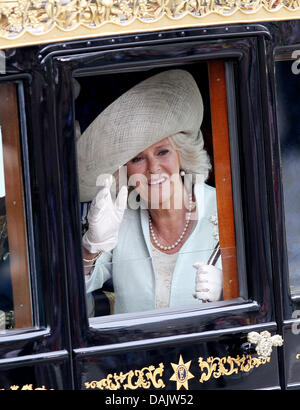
[64, 350]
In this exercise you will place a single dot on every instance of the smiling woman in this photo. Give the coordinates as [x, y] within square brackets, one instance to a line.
[157, 240]
[156, 172]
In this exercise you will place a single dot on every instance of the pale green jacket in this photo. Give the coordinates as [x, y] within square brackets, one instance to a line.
[131, 266]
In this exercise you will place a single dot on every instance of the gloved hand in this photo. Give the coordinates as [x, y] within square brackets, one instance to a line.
[104, 219]
[209, 282]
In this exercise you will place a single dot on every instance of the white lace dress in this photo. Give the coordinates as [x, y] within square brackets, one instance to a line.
[164, 266]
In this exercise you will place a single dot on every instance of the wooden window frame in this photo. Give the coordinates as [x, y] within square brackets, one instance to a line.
[223, 179]
[15, 206]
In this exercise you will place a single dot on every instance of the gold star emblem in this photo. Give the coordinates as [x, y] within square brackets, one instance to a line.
[181, 373]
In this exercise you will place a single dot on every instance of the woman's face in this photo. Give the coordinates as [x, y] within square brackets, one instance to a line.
[155, 173]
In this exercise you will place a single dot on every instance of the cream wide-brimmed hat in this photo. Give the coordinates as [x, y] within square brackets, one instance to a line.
[164, 105]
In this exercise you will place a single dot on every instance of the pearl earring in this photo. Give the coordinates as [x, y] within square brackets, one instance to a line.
[182, 173]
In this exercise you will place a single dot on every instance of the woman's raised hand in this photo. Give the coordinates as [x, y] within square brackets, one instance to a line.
[104, 218]
[209, 282]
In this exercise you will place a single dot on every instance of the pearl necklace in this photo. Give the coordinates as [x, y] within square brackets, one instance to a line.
[167, 248]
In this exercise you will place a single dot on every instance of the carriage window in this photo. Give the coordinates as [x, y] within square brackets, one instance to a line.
[15, 298]
[288, 101]
[155, 189]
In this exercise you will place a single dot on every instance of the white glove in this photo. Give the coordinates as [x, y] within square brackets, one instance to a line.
[209, 282]
[104, 219]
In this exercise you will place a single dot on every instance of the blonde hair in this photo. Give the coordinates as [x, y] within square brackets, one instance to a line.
[193, 157]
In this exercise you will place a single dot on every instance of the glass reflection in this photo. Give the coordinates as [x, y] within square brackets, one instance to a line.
[137, 284]
[288, 101]
[152, 223]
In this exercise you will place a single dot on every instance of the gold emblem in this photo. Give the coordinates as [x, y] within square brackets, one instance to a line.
[181, 373]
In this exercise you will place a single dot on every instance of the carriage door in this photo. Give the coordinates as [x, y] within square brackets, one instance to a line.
[286, 155]
[34, 338]
[123, 339]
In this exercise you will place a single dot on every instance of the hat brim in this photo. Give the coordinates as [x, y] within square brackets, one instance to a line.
[164, 105]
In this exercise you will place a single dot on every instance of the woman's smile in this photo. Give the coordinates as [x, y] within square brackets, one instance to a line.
[159, 181]
[155, 172]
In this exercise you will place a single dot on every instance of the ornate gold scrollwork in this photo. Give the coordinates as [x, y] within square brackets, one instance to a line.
[134, 379]
[212, 367]
[40, 16]
[225, 366]
[26, 387]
